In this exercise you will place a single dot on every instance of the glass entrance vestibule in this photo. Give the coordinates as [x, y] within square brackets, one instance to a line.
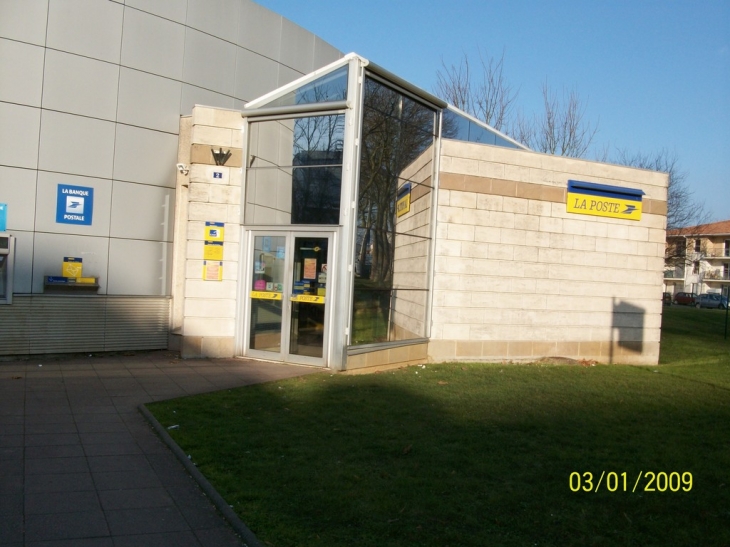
[339, 197]
[287, 304]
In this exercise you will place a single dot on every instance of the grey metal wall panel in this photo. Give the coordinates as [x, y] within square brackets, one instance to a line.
[79, 85]
[46, 201]
[14, 339]
[24, 21]
[49, 250]
[19, 134]
[21, 73]
[77, 145]
[86, 27]
[68, 324]
[18, 190]
[143, 322]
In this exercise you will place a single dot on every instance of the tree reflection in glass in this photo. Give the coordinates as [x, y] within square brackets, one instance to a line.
[396, 130]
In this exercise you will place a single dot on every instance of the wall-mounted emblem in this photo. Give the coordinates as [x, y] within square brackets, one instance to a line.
[220, 157]
[601, 200]
[74, 205]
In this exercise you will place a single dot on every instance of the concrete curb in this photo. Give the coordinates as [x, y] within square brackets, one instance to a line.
[240, 528]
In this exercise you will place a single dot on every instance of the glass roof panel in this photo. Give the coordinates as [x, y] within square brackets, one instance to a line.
[460, 127]
[328, 88]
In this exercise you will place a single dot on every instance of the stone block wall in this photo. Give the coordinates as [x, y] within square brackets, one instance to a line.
[213, 192]
[519, 278]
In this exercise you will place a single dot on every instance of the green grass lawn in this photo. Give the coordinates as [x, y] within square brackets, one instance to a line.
[479, 454]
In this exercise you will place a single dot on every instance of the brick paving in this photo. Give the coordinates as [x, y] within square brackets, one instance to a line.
[81, 467]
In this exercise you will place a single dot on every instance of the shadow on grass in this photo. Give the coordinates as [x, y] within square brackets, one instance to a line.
[466, 455]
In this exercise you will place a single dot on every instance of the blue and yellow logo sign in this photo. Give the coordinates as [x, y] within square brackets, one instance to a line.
[601, 200]
[214, 231]
[403, 204]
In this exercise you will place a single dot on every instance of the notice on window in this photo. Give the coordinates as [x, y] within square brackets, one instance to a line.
[310, 268]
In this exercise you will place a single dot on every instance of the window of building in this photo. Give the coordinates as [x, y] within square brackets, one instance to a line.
[698, 245]
[294, 170]
[696, 268]
[727, 247]
[393, 216]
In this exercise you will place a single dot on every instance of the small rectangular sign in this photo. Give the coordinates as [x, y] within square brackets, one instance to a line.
[307, 298]
[72, 267]
[213, 250]
[212, 271]
[310, 268]
[214, 231]
[58, 279]
[74, 205]
[3, 217]
[403, 205]
[588, 198]
[265, 295]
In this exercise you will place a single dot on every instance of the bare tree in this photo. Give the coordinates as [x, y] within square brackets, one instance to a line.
[685, 215]
[683, 210]
[560, 129]
[487, 96]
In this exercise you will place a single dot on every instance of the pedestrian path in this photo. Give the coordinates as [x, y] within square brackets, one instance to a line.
[80, 466]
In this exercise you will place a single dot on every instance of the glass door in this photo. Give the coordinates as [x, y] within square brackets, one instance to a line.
[266, 296]
[288, 299]
[308, 297]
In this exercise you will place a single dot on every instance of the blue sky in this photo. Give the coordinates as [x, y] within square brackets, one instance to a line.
[653, 74]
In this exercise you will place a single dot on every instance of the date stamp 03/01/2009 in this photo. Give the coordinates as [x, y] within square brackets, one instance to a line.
[646, 481]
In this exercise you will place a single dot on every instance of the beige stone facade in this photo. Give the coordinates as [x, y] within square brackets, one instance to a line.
[204, 314]
[517, 277]
[507, 274]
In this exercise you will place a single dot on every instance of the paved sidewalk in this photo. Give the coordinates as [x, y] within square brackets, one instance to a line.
[80, 466]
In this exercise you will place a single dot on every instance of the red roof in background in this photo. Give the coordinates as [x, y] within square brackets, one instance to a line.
[713, 228]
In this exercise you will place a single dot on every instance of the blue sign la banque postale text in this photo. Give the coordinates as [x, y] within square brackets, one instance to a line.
[74, 204]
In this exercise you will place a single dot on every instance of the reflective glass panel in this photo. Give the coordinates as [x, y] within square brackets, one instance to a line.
[330, 87]
[267, 287]
[309, 295]
[458, 127]
[394, 211]
[316, 195]
[295, 170]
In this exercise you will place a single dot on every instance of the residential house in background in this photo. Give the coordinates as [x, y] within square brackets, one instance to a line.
[698, 259]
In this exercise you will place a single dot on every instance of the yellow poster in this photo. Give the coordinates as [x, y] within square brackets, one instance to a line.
[212, 271]
[213, 251]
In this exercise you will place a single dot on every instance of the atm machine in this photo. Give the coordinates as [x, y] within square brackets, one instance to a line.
[7, 256]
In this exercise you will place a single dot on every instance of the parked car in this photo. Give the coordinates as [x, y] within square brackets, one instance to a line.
[711, 300]
[667, 298]
[685, 298]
